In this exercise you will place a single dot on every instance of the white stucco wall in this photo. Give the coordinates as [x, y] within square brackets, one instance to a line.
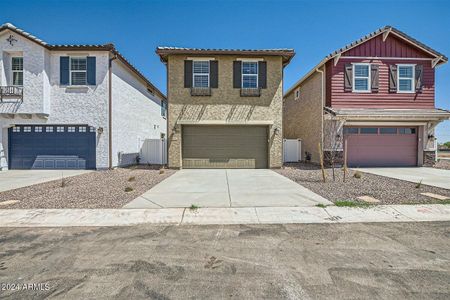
[136, 115]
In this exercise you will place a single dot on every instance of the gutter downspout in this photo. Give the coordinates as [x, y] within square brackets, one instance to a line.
[323, 103]
[110, 111]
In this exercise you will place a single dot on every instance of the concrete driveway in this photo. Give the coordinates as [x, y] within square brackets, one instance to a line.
[430, 176]
[227, 188]
[14, 179]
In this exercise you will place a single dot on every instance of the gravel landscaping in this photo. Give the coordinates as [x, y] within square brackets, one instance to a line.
[443, 164]
[387, 190]
[99, 189]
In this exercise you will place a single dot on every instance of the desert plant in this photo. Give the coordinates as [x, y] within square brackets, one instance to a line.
[63, 182]
[132, 178]
[194, 207]
[349, 203]
[162, 171]
[357, 174]
[128, 189]
[419, 184]
[321, 205]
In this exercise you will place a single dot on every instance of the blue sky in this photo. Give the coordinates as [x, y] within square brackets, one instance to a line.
[312, 28]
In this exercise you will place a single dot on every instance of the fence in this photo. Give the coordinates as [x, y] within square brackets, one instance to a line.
[154, 151]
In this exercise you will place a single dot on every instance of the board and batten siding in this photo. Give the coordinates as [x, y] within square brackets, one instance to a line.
[337, 97]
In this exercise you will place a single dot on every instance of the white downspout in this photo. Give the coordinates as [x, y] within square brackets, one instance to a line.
[323, 101]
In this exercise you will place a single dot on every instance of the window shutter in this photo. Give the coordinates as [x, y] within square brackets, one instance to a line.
[348, 78]
[393, 79]
[419, 78]
[91, 65]
[214, 74]
[237, 74]
[188, 73]
[262, 74]
[374, 78]
[64, 72]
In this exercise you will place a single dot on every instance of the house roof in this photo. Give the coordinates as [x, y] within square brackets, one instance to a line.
[84, 47]
[386, 29]
[286, 54]
[384, 113]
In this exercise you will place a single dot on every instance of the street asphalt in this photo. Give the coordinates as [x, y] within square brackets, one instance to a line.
[306, 261]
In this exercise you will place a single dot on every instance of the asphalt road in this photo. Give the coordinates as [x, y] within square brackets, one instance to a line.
[346, 261]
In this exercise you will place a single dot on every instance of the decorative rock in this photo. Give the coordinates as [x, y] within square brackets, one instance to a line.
[435, 196]
[368, 199]
[8, 202]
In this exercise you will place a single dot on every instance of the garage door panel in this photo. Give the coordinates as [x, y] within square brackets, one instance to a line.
[381, 150]
[224, 147]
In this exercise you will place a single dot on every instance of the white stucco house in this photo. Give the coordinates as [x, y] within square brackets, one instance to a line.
[72, 106]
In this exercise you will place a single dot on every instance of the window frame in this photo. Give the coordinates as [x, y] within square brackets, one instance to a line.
[16, 71]
[78, 71]
[255, 75]
[164, 109]
[413, 79]
[369, 78]
[297, 94]
[201, 74]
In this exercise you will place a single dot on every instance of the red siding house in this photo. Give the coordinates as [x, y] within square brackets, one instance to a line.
[377, 102]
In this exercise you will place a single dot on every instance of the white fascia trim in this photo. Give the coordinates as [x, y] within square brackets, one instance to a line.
[249, 59]
[198, 58]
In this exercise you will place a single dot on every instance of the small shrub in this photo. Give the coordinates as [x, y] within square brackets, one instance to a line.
[132, 178]
[128, 189]
[419, 184]
[194, 207]
[357, 174]
[348, 203]
[321, 205]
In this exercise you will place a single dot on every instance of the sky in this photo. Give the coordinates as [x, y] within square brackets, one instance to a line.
[312, 28]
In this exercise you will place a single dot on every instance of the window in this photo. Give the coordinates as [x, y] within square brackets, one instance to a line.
[405, 78]
[71, 129]
[38, 129]
[361, 77]
[368, 130]
[163, 109]
[17, 71]
[297, 94]
[60, 129]
[27, 129]
[249, 75]
[16, 129]
[82, 129]
[78, 67]
[49, 129]
[407, 130]
[388, 130]
[350, 130]
[92, 129]
[200, 76]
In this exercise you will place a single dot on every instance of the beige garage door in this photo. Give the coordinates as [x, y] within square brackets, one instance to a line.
[224, 147]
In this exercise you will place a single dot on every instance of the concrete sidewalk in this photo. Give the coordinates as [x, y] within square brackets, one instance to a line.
[237, 215]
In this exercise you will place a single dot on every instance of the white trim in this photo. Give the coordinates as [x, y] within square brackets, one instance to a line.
[242, 73]
[360, 77]
[413, 79]
[197, 58]
[16, 71]
[375, 123]
[201, 74]
[250, 59]
[78, 71]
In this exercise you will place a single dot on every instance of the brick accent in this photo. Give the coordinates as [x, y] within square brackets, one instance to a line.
[429, 158]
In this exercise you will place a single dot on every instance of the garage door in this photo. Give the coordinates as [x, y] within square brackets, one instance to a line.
[224, 147]
[51, 147]
[381, 146]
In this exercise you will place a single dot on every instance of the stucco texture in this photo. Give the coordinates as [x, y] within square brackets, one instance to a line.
[224, 105]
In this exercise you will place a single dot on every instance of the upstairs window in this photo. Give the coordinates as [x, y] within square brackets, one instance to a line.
[200, 70]
[405, 78]
[78, 71]
[17, 71]
[249, 75]
[361, 77]
[163, 109]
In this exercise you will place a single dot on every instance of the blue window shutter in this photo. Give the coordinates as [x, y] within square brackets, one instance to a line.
[64, 72]
[91, 70]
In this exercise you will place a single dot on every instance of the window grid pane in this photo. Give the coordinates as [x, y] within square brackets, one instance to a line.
[17, 78]
[361, 84]
[17, 63]
[388, 130]
[78, 78]
[368, 130]
[78, 64]
[249, 81]
[250, 68]
[405, 72]
[361, 71]
[201, 81]
[201, 67]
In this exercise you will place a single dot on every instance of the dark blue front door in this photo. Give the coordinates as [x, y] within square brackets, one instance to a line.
[51, 147]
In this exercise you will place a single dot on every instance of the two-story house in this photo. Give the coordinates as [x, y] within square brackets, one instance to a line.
[224, 107]
[72, 106]
[372, 101]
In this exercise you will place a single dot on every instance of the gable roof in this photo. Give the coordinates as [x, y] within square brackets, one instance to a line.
[286, 54]
[441, 58]
[84, 47]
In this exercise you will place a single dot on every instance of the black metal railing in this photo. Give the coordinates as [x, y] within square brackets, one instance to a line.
[11, 91]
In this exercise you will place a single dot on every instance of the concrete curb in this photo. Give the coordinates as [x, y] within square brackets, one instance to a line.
[223, 216]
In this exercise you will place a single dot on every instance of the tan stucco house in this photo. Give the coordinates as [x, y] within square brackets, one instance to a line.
[224, 107]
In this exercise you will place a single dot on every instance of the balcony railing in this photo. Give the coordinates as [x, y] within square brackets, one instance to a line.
[11, 91]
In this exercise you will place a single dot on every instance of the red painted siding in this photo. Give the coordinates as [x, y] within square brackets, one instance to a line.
[336, 96]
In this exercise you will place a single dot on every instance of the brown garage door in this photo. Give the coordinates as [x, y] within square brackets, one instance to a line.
[224, 147]
[381, 146]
